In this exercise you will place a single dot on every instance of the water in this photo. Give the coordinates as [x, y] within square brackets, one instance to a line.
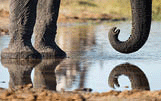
[90, 60]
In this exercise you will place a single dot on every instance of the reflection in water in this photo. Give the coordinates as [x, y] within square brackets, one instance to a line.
[45, 74]
[66, 73]
[19, 70]
[76, 42]
[71, 73]
[137, 77]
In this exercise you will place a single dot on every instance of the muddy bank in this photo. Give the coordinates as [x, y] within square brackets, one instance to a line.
[4, 22]
[32, 94]
[63, 18]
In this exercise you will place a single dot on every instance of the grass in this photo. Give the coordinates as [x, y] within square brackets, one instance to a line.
[156, 10]
[113, 7]
[120, 8]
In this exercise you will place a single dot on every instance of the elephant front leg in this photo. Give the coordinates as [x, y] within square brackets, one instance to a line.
[22, 20]
[45, 29]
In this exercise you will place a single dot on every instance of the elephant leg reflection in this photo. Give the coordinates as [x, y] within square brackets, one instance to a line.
[20, 71]
[137, 77]
[44, 76]
[67, 73]
[72, 74]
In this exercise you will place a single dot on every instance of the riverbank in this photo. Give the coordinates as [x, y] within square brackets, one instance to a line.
[86, 11]
[69, 13]
[67, 18]
[31, 94]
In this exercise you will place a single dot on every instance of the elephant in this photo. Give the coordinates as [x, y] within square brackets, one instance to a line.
[26, 17]
[141, 23]
[137, 77]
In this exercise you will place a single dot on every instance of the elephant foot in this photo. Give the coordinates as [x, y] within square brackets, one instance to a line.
[20, 53]
[49, 52]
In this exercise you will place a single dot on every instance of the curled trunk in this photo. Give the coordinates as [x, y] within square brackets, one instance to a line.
[141, 22]
[137, 77]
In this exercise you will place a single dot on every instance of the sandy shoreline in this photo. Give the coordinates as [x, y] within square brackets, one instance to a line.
[41, 94]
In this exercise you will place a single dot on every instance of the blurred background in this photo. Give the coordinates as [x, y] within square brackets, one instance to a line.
[112, 7]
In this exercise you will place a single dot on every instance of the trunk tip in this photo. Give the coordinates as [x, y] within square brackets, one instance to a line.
[114, 31]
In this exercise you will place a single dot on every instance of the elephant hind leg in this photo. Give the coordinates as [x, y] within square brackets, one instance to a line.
[45, 29]
[22, 20]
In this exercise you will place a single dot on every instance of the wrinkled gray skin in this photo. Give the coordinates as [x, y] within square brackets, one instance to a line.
[137, 77]
[20, 71]
[141, 23]
[45, 29]
[23, 15]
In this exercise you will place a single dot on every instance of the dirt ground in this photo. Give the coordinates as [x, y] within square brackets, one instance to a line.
[68, 18]
[28, 93]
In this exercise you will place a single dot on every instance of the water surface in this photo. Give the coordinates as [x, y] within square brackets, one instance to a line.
[90, 60]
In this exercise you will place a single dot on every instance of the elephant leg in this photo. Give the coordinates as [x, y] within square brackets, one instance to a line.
[22, 20]
[45, 29]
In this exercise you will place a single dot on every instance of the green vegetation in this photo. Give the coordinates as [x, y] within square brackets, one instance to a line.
[156, 10]
[119, 8]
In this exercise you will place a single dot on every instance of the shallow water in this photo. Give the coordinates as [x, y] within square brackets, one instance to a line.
[90, 60]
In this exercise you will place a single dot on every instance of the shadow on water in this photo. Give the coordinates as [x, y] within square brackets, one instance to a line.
[91, 60]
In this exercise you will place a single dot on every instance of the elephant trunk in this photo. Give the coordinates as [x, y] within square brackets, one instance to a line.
[137, 77]
[141, 23]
